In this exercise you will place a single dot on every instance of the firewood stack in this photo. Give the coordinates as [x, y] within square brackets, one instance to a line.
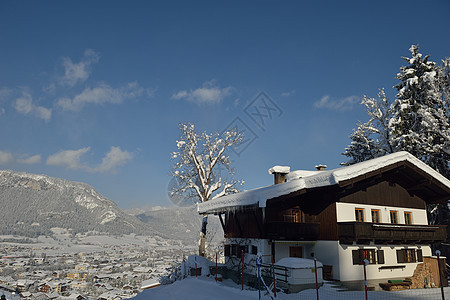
[422, 277]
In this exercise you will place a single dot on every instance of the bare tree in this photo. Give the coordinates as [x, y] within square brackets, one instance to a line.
[198, 162]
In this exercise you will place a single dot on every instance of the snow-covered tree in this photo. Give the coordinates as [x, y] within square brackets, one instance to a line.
[418, 120]
[371, 139]
[198, 162]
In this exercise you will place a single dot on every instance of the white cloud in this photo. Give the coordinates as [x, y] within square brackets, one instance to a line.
[2, 111]
[68, 158]
[102, 94]
[71, 159]
[5, 158]
[114, 158]
[25, 106]
[288, 94]
[342, 104]
[79, 72]
[35, 159]
[209, 93]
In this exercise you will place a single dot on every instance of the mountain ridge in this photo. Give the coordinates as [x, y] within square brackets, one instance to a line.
[34, 203]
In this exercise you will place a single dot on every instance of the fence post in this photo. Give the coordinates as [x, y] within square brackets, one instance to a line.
[438, 254]
[317, 284]
[366, 263]
[216, 266]
[242, 271]
[274, 281]
[195, 266]
[258, 264]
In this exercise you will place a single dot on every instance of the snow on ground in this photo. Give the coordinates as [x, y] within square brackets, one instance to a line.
[203, 288]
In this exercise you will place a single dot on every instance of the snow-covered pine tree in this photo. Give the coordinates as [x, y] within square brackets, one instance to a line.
[417, 121]
[371, 139]
[197, 168]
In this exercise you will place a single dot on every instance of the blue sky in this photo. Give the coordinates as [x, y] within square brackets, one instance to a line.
[93, 91]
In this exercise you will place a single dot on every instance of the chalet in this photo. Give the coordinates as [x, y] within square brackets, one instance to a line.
[374, 210]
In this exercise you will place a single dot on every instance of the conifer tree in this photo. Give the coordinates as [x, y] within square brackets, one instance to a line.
[418, 121]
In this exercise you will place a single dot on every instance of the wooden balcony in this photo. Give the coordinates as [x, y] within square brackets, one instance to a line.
[350, 232]
[292, 231]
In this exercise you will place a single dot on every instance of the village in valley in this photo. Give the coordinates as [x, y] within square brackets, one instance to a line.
[84, 266]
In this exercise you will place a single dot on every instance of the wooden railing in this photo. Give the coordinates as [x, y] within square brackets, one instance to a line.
[390, 233]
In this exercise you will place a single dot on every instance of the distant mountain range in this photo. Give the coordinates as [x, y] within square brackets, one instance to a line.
[180, 223]
[33, 204]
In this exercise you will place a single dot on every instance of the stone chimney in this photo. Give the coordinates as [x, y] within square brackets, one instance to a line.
[321, 167]
[279, 173]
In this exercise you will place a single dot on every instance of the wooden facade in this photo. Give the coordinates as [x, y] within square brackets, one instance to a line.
[311, 214]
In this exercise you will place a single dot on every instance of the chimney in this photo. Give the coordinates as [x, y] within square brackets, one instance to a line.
[321, 167]
[279, 173]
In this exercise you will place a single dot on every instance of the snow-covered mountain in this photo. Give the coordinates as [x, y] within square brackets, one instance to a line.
[180, 223]
[33, 204]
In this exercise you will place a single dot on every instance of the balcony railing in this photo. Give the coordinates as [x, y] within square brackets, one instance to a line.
[390, 233]
[292, 231]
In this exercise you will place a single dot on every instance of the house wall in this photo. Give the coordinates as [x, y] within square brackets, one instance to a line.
[346, 213]
[282, 248]
[327, 253]
[263, 245]
[350, 272]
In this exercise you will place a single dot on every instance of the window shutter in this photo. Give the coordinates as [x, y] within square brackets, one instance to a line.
[419, 255]
[400, 256]
[380, 257]
[356, 257]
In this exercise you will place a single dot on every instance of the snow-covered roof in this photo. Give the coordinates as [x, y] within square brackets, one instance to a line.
[299, 180]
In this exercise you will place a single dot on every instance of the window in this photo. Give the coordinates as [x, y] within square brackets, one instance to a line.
[227, 250]
[254, 250]
[234, 250]
[359, 214]
[372, 255]
[394, 216]
[375, 215]
[242, 249]
[408, 218]
[409, 255]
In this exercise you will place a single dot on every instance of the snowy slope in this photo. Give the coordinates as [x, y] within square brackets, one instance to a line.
[203, 288]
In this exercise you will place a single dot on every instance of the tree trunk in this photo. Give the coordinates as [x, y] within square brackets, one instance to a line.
[202, 244]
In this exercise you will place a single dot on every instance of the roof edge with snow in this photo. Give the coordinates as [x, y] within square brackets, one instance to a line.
[316, 179]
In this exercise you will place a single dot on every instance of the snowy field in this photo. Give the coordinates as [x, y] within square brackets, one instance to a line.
[203, 288]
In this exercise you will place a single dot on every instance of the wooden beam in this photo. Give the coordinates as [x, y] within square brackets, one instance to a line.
[238, 224]
[258, 225]
[222, 222]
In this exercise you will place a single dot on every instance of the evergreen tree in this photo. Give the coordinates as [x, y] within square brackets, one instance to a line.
[371, 139]
[417, 121]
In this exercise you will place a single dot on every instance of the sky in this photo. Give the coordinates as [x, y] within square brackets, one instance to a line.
[94, 91]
